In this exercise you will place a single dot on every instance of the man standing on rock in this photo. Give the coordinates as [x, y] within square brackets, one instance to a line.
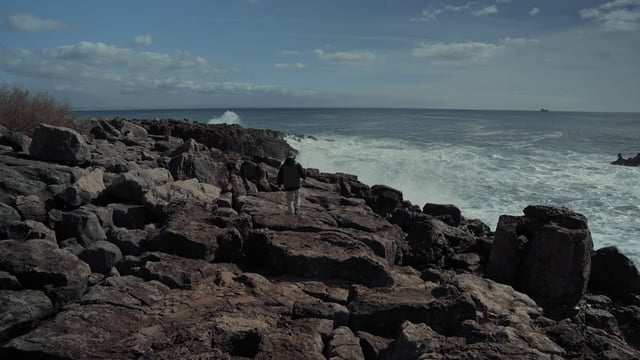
[289, 176]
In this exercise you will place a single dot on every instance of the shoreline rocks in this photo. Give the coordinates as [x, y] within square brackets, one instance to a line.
[631, 161]
[168, 239]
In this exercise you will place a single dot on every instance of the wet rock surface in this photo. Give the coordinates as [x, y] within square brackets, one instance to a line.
[168, 239]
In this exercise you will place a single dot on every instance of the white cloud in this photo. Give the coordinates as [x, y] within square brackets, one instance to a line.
[30, 23]
[105, 55]
[432, 13]
[491, 9]
[534, 11]
[297, 65]
[346, 56]
[459, 53]
[618, 15]
[142, 40]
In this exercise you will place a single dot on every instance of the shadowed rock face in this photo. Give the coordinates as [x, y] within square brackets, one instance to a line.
[184, 251]
[546, 254]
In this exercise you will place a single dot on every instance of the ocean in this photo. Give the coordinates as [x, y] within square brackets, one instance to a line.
[488, 163]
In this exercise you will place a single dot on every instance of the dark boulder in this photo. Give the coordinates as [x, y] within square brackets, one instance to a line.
[81, 224]
[31, 207]
[41, 265]
[229, 138]
[631, 161]
[8, 215]
[18, 141]
[130, 216]
[21, 311]
[101, 256]
[449, 214]
[130, 242]
[133, 185]
[545, 254]
[613, 274]
[431, 242]
[383, 200]
[28, 230]
[52, 143]
[9, 282]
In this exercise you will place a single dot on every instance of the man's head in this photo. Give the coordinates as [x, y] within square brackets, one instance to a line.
[291, 156]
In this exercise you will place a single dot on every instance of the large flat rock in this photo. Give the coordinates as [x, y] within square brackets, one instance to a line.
[326, 254]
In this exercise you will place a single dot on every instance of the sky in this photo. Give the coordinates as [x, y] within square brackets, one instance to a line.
[568, 55]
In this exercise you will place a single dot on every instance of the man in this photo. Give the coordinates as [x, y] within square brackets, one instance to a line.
[289, 176]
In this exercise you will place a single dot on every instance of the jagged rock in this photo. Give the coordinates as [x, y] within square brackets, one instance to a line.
[431, 242]
[128, 128]
[449, 214]
[9, 282]
[21, 176]
[318, 309]
[130, 216]
[159, 199]
[382, 311]
[59, 144]
[103, 213]
[628, 319]
[31, 208]
[418, 341]
[582, 342]
[200, 166]
[318, 255]
[86, 189]
[8, 215]
[130, 242]
[128, 291]
[89, 331]
[21, 311]
[189, 146]
[101, 256]
[545, 254]
[233, 138]
[384, 199]
[601, 319]
[81, 224]
[256, 173]
[41, 265]
[188, 233]
[104, 131]
[72, 246]
[374, 347]
[343, 344]
[18, 141]
[174, 271]
[29, 229]
[613, 274]
[133, 185]
[630, 161]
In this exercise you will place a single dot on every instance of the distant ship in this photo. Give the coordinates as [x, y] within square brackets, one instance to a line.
[544, 110]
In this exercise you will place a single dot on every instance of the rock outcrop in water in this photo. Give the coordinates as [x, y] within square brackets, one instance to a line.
[631, 161]
[167, 239]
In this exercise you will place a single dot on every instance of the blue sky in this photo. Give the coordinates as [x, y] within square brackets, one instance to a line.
[579, 55]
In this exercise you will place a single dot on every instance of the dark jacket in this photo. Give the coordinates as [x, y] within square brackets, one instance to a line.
[290, 174]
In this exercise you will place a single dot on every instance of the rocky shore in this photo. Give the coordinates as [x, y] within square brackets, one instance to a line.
[166, 239]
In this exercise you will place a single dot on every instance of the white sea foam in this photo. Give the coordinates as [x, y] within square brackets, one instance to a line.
[486, 182]
[229, 117]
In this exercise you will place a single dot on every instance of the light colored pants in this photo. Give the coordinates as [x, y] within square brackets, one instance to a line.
[293, 201]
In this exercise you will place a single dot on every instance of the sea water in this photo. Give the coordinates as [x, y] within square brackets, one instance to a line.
[488, 163]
